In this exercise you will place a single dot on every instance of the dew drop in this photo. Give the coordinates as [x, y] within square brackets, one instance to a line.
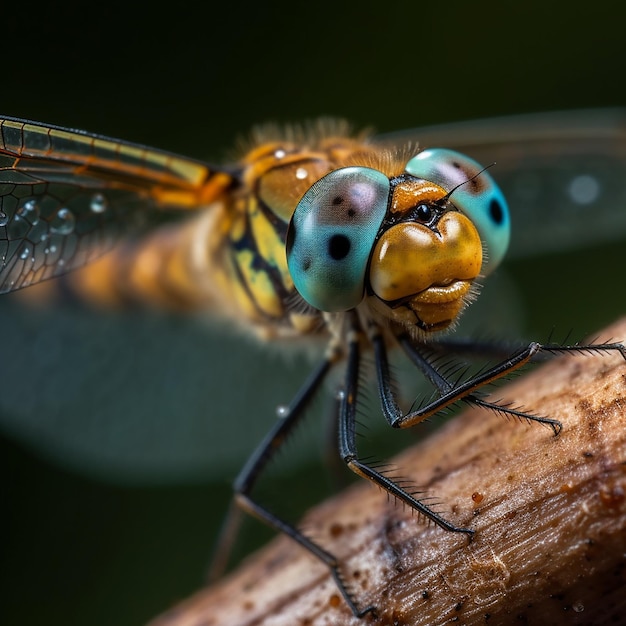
[282, 411]
[25, 253]
[98, 203]
[29, 211]
[4, 218]
[63, 222]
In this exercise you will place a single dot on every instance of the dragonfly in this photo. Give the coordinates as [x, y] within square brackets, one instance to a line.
[368, 243]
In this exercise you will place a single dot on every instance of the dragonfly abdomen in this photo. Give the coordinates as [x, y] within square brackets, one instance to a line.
[228, 260]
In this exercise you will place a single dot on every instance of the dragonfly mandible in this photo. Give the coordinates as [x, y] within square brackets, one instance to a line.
[367, 243]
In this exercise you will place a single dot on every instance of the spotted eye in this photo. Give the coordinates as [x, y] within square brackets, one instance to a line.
[331, 235]
[479, 198]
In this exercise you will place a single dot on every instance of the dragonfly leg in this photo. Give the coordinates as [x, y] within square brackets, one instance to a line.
[348, 447]
[472, 348]
[450, 393]
[498, 349]
[263, 514]
[243, 501]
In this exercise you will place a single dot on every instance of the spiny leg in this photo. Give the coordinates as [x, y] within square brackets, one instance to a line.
[472, 348]
[249, 474]
[451, 393]
[501, 350]
[348, 447]
[290, 417]
[447, 390]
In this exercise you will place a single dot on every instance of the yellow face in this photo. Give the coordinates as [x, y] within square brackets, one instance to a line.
[423, 265]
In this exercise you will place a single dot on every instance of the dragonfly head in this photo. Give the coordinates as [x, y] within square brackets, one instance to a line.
[410, 246]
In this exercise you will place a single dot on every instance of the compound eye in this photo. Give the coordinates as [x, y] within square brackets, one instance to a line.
[479, 197]
[331, 236]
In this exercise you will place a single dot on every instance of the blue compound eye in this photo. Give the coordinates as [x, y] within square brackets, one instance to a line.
[331, 235]
[480, 198]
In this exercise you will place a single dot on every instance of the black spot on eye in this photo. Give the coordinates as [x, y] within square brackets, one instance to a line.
[337, 200]
[306, 264]
[338, 247]
[351, 212]
[496, 212]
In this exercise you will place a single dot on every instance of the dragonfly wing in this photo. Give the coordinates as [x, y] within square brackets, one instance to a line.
[67, 196]
[563, 173]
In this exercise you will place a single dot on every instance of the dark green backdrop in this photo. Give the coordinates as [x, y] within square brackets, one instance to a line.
[119, 538]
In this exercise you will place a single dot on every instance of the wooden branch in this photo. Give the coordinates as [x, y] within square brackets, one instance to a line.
[549, 514]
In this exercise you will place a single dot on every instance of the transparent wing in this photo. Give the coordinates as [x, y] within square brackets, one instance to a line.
[563, 173]
[67, 196]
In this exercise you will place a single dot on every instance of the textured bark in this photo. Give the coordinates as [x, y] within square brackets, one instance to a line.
[549, 514]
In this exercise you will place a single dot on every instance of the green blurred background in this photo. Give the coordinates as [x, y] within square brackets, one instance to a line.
[106, 519]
